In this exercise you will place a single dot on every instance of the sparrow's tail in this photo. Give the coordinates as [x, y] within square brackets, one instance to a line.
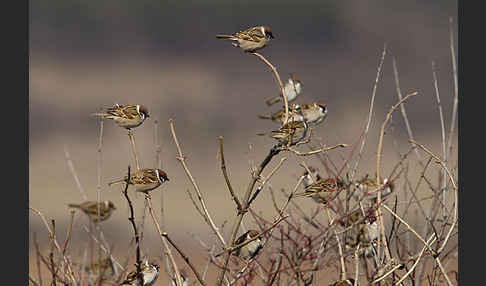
[117, 182]
[264, 117]
[274, 100]
[100, 114]
[225, 36]
[74, 206]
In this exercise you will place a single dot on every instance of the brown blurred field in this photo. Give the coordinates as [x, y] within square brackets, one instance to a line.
[90, 55]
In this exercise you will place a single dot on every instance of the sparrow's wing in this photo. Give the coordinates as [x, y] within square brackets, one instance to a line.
[125, 111]
[130, 277]
[252, 34]
[144, 176]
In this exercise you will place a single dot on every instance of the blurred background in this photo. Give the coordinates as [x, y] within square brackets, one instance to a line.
[86, 55]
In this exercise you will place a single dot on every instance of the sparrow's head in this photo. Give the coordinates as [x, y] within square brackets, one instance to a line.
[110, 205]
[162, 175]
[295, 79]
[322, 106]
[143, 110]
[267, 32]
[252, 233]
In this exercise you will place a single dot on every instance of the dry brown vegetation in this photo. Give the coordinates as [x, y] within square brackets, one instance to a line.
[416, 241]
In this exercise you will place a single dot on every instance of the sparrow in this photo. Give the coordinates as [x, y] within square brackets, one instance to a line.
[150, 273]
[145, 180]
[251, 39]
[126, 116]
[251, 249]
[345, 282]
[292, 89]
[90, 208]
[323, 190]
[368, 188]
[103, 268]
[308, 178]
[290, 133]
[313, 113]
[364, 230]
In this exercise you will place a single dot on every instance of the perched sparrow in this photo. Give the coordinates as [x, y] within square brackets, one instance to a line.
[145, 180]
[103, 268]
[364, 230]
[292, 89]
[150, 273]
[313, 113]
[184, 279]
[127, 116]
[308, 178]
[251, 39]
[251, 249]
[90, 208]
[323, 190]
[368, 188]
[345, 282]
[292, 132]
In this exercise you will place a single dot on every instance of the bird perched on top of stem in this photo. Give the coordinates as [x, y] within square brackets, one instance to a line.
[290, 133]
[313, 113]
[251, 39]
[150, 273]
[251, 249]
[292, 89]
[144, 180]
[323, 191]
[90, 208]
[126, 116]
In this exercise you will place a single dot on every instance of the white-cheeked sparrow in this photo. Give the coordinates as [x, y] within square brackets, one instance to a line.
[368, 188]
[90, 208]
[313, 113]
[290, 133]
[126, 116]
[145, 180]
[150, 273]
[251, 249]
[363, 229]
[292, 89]
[251, 39]
[322, 191]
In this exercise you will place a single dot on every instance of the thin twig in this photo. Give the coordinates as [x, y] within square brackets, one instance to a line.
[454, 73]
[181, 159]
[353, 172]
[225, 174]
[164, 242]
[137, 237]
[277, 76]
[75, 175]
[186, 259]
[134, 149]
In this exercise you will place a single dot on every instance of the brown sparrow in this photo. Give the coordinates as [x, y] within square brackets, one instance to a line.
[364, 230]
[126, 116]
[90, 208]
[251, 249]
[308, 178]
[150, 273]
[103, 268]
[368, 188]
[313, 113]
[145, 180]
[345, 282]
[250, 40]
[290, 133]
[292, 89]
[323, 190]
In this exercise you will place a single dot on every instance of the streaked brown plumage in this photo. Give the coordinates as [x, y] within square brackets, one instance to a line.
[290, 133]
[345, 282]
[150, 273]
[251, 249]
[368, 188]
[323, 190]
[90, 208]
[251, 39]
[126, 116]
[313, 113]
[145, 180]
